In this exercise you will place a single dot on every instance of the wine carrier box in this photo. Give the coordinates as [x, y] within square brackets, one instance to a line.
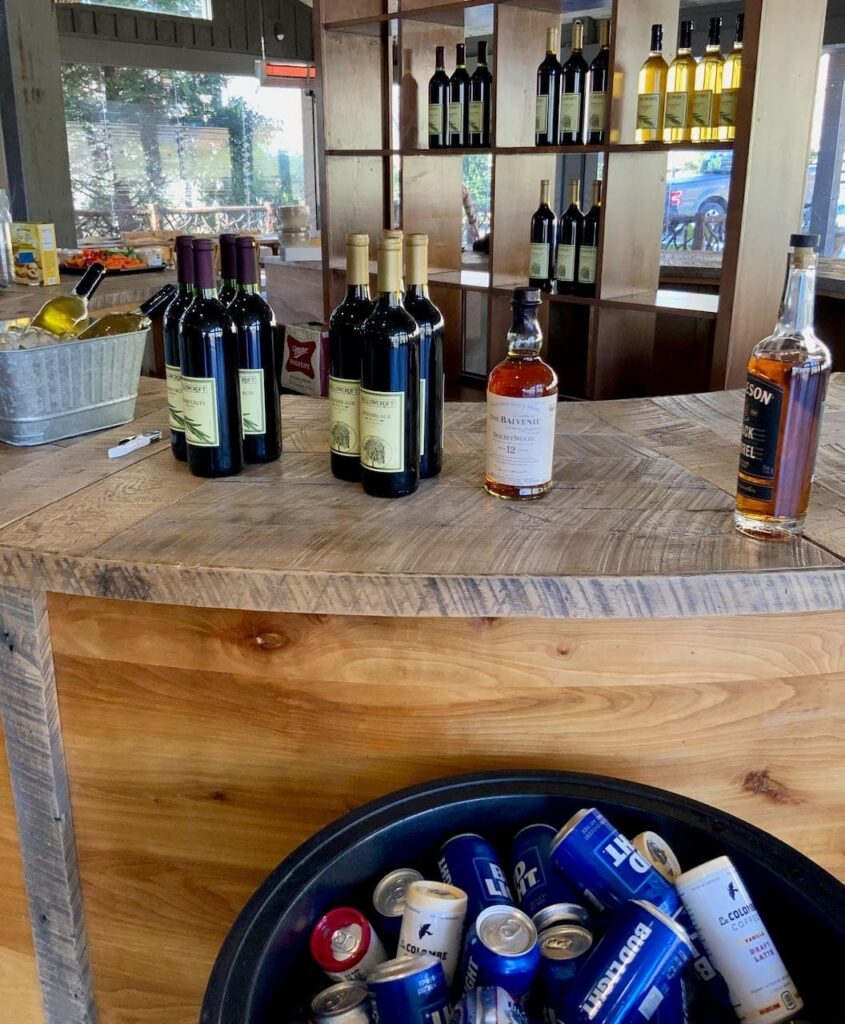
[305, 359]
[35, 254]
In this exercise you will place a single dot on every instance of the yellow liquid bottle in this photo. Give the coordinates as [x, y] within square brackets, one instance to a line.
[66, 315]
[679, 86]
[651, 91]
[731, 81]
[708, 88]
[136, 320]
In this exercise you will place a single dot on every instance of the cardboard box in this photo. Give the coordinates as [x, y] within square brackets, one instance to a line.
[35, 255]
[305, 359]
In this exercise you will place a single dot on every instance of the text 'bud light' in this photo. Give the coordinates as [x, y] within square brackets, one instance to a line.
[470, 863]
[536, 883]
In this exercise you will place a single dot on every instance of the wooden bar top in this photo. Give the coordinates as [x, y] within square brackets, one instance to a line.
[638, 525]
[128, 290]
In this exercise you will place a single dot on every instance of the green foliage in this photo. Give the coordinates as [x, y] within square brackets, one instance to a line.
[185, 8]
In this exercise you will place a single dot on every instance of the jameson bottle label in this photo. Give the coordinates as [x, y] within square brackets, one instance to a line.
[587, 264]
[702, 108]
[520, 439]
[541, 117]
[597, 112]
[343, 405]
[175, 412]
[422, 415]
[570, 112]
[760, 428]
[476, 115]
[435, 118]
[675, 115]
[648, 110]
[253, 413]
[538, 260]
[565, 269]
[456, 118]
[199, 405]
[383, 430]
[727, 107]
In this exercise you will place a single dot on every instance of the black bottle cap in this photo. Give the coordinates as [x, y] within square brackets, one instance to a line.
[184, 259]
[482, 52]
[715, 31]
[804, 242]
[157, 302]
[460, 54]
[204, 263]
[740, 26]
[228, 259]
[439, 56]
[657, 37]
[526, 297]
[247, 263]
[685, 39]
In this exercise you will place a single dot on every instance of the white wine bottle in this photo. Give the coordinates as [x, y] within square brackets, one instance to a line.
[679, 84]
[66, 315]
[651, 91]
[704, 119]
[134, 320]
[731, 81]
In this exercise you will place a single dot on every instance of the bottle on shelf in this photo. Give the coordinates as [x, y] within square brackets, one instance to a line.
[731, 81]
[458, 127]
[66, 315]
[547, 108]
[7, 259]
[431, 324]
[521, 407]
[134, 320]
[390, 385]
[208, 350]
[438, 101]
[704, 115]
[651, 90]
[679, 85]
[228, 269]
[785, 390]
[570, 232]
[598, 84]
[480, 100]
[573, 85]
[259, 384]
[541, 253]
[170, 329]
[345, 337]
[588, 252]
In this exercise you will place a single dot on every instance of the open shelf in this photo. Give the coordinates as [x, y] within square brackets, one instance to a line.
[666, 300]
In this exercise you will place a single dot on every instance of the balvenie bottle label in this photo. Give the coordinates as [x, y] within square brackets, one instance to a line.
[476, 115]
[675, 115]
[648, 110]
[520, 439]
[597, 112]
[253, 413]
[343, 405]
[587, 264]
[541, 117]
[383, 430]
[435, 118]
[565, 269]
[199, 404]
[727, 107]
[702, 108]
[538, 260]
[570, 112]
[456, 118]
[760, 429]
[175, 412]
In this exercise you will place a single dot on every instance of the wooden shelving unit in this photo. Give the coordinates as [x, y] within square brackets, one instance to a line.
[375, 58]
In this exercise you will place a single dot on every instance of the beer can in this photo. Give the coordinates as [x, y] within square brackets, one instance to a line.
[347, 1002]
[536, 884]
[470, 862]
[606, 868]
[389, 898]
[658, 853]
[500, 950]
[344, 945]
[433, 923]
[673, 1007]
[488, 1005]
[561, 913]
[409, 990]
[563, 950]
[737, 942]
[707, 993]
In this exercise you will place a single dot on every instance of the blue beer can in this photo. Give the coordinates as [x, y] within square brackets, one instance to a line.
[707, 992]
[535, 882]
[606, 867]
[563, 951]
[673, 1008]
[409, 990]
[500, 950]
[488, 1005]
[470, 862]
[631, 970]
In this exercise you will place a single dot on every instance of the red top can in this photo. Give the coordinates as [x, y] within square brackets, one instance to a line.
[341, 939]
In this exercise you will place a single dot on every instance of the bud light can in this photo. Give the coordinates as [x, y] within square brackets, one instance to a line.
[409, 990]
[536, 884]
[658, 853]
[470, 863]
[707, 994]
[347, 1002]
[560, 913]
[389, 899]
[606, 867]
[673, 1009]
[501, 949]
[488, 1005]
[344, 944]
[433, 923]
[563, 949]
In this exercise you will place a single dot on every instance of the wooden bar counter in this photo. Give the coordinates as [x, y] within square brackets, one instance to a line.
[196, 675]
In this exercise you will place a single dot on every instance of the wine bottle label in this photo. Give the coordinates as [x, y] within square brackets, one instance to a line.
[435, 118]
[253, 413]
[456, 118]
[677, 110]
[383, 430]
[541, 117]
[727, 108]
[565, 269]
[199, 405]
[570, 112]
[520, 439]
[538, 260]
[587, 256]
[343, 405]
[648, 110]
[175, 412]
[760, 428]
[422, 415]
[597, 112]
[702, 108]
[476, 115]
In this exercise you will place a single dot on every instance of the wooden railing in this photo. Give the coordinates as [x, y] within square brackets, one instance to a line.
[702, 232]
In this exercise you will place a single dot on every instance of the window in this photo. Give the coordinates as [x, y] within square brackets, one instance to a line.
[824, 197]
[182, 8]
[697, 188]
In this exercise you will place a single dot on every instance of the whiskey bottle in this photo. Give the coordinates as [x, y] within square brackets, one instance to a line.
[521, 405]
[784, 394]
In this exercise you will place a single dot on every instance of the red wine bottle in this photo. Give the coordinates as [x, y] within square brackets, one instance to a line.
[570, 231]
[573, 86]
[541, 254]
[438, 102]
[547, 102]
[480, 100]
[228, 269]
[208, 347]
[170, 328]
[598, 84]
[588, 250]
[458, 127]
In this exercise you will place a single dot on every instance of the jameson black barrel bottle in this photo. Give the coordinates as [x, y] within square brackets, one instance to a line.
[170, 328]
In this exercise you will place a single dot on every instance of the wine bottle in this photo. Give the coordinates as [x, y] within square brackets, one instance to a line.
[345, 337]
[547, 109]
[785, 389]
[651, 90]
[66, 315]
[598, 84]
[521, 407]
[704, 116]
[480, 100]
[135, 320]
[390, 385]
[731, 81]
[573, 80]
[170, 329]
[431, 324]
[259, 385]
[228, 269]
[438, 102]
[458, 127]
[543, 241]
[588, 251]
[208, 349]
[569, 236]
[399, 235]
[679, 84]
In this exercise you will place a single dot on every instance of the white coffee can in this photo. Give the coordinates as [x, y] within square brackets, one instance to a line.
[433, 922]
